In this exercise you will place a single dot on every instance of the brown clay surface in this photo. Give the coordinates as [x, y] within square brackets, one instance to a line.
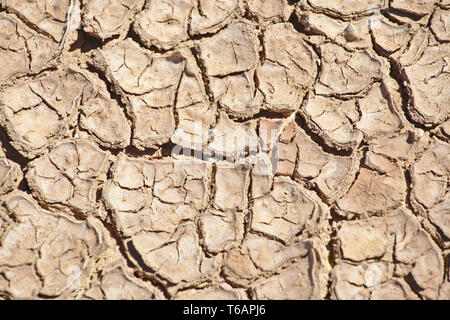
[314, 139]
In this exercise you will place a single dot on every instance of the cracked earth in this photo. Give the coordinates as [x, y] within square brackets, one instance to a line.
[315, 138]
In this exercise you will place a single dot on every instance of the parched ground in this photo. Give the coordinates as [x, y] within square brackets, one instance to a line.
[224, 149]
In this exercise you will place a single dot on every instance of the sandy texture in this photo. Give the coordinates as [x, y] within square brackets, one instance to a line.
[226, 149]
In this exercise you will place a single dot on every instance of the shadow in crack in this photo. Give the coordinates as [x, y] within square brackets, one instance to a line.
[11, 153]
[85, 42]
